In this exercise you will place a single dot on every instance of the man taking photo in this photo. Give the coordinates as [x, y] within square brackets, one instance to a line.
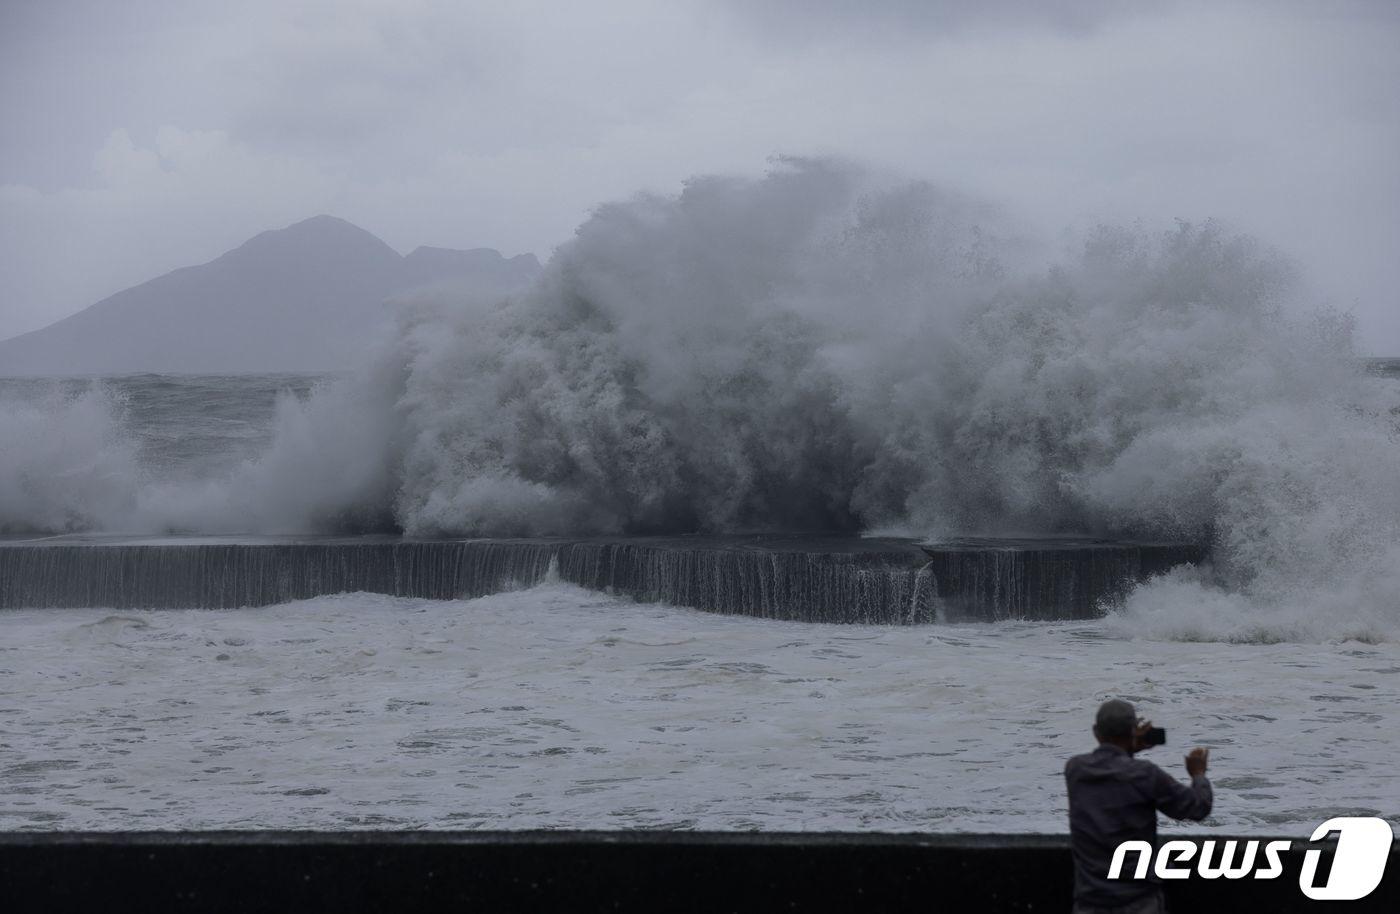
[1114, 797]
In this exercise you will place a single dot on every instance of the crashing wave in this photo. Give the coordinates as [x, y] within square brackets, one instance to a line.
[821, 349]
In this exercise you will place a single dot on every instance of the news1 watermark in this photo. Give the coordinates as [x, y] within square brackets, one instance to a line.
[1358, 863]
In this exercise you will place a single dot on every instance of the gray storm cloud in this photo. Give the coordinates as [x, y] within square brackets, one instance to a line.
[145, 136]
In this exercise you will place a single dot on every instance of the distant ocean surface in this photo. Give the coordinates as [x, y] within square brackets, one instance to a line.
[183, 425]
[1384, 367]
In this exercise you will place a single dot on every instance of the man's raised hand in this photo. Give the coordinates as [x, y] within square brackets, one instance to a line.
[1140, 735]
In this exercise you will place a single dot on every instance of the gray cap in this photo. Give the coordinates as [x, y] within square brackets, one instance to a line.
[1116, 718]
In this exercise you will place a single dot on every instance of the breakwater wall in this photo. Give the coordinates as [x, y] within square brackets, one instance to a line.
[593, 871]
[816, 579]
[1045, 578]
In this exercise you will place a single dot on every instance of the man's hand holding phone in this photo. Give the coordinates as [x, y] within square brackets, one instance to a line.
[1145, 736]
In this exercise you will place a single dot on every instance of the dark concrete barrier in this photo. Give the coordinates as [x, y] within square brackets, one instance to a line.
[587, 871]
[1046, 578]
[801, 578]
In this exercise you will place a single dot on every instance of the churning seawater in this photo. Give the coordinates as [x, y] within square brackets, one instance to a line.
[556, 707]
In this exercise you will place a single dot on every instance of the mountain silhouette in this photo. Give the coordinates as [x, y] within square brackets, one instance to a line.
[309, 297]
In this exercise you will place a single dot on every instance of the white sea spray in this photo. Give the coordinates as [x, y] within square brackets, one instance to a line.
[826, 349]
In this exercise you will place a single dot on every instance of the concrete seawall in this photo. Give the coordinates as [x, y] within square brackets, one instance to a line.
[812, 578]
[1045, 578]
[589, 871]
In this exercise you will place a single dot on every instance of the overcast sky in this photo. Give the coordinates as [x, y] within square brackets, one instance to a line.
[150, 134]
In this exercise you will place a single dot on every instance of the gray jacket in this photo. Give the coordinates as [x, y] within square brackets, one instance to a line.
[1114, 797]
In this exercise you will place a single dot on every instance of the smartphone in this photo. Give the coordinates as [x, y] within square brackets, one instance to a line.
[1155, 736]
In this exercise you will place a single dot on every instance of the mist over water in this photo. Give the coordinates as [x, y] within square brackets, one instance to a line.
[827, 349]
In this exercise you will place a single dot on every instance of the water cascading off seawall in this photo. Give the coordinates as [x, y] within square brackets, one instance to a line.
[804, 578]
[1045, 578]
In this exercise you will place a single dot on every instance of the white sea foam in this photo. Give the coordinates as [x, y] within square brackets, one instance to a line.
[65, 464]
[329, 467]
[823, 349]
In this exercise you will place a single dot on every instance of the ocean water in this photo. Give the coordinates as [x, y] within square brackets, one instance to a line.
[556, 707]
[177, 426]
